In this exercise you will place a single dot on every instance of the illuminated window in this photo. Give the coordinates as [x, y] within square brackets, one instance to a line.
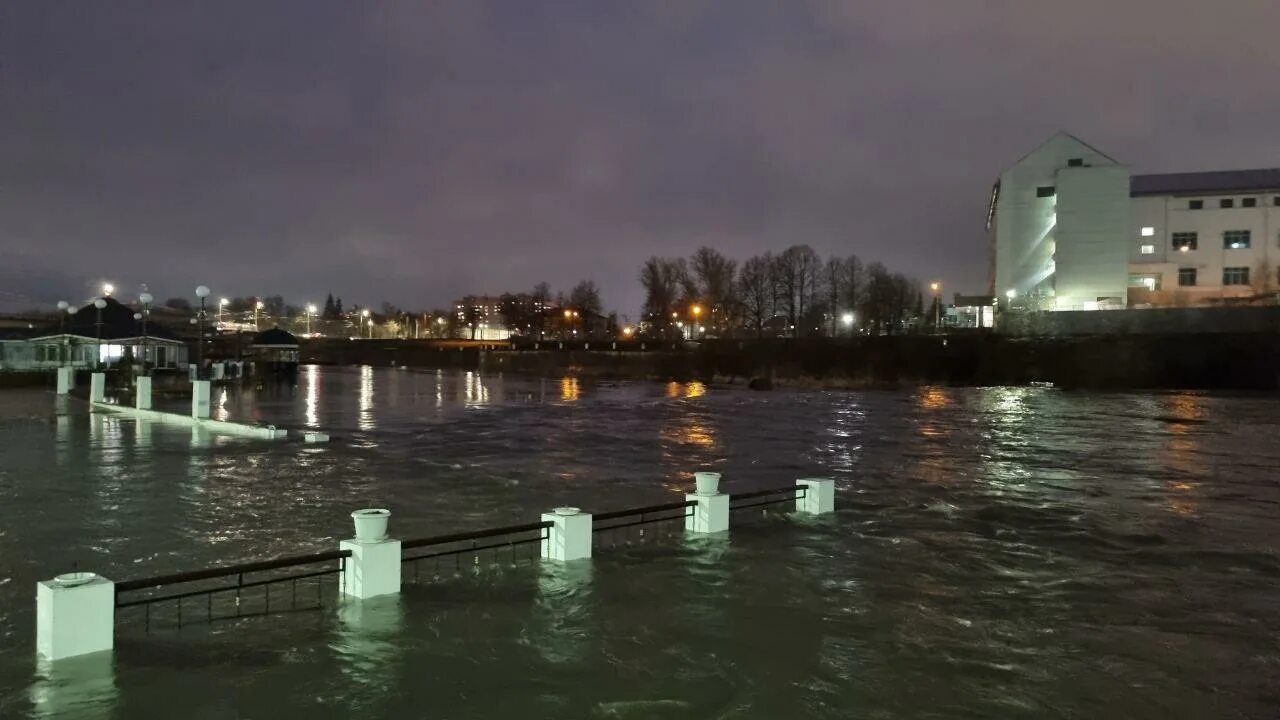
[1248, 202]
[1147, 249]
[1235, 276]
[1195, 204]
[1148, 231]
[1225, 203]
[1187, 277]
[1185, 241]
[1236, 239]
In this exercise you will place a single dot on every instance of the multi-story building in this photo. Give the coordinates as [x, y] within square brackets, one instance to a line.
[1070, 229]
[1198, 238]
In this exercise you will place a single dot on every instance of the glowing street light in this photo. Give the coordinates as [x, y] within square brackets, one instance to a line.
[936, 286]
[628, 331]
[847, 319]
[107, 289]
[257, 308]
[311, 310]
[222, 302]
[367, 322]
[1011, 293]
[202, 292]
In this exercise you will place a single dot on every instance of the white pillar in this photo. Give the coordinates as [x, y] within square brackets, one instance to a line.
[711, 515]
[98, 387]
[66, 379]
[75, 619]
[373, 568]
[219, 371]
[200, 399]
[570, 537]
[142, 393]
[819, 497]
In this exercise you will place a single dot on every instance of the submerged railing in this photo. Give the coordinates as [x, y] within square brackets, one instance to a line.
[608, 522]
[237, 571]
[468, 543]
[775, 496]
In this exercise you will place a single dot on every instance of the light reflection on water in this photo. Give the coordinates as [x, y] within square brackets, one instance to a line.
[999, 552]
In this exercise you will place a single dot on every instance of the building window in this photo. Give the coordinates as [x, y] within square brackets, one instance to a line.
[1075, 162]
[1195, 205]
[1236, 239]
[1225, 203]
[1186, 277]
[1184, 241]
[1248, 202]
[1147, 249]
[1235, 276]
[1148, 231]
[1046, 191]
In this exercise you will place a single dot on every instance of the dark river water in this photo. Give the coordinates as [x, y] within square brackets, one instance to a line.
[996, 553]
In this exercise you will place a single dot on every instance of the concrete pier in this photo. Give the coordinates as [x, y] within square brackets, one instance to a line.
[66, 380]
[819, 498]
[98, 387]
[75, 615]
[200, 392]
[711, 515]
[142, 393]
[570, 537]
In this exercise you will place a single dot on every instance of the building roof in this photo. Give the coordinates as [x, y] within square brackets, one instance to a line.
[1206, 183]
[275, 337]
[117, 324]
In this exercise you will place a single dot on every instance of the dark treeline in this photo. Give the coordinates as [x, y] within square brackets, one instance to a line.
[793, 293]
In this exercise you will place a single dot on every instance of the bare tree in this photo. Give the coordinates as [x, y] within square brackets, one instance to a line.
[714, 275]
[585, 296]
[755, 291]
[664, 280]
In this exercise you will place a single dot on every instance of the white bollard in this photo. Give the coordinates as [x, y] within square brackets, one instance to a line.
[75, 615]
[98, 387]
[374, 566]
[200, 391]
[819, 497]
[66, 380]
[570, 537]
[711, 515]
[142, 393]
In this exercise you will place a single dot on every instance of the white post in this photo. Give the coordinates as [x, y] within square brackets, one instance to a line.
[98, 387]
[819, 496]
[75, 615]
[66, 379]
[711, 515]
[219, 371]
[200, 399]
[570, 537]
[191, 371]
[142, 393]
[374, 566]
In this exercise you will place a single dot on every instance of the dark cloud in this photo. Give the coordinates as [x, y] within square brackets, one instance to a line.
[418, 151]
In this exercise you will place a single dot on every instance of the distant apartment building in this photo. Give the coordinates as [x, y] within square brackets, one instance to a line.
[1069, 228]
[483, 317]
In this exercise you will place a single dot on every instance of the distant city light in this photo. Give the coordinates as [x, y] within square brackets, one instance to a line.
[365, 312]
[847, 318]
[311, 308]
[935, 286]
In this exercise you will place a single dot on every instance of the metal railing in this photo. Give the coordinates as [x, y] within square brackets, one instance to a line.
[237, 571]
[468, 543]
[640, 517]
[776, 496]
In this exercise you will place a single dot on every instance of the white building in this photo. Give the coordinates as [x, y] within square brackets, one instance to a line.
[1069, 229]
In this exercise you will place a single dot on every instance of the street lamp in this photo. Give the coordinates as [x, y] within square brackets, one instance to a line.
[1011, 293]
[311, 310]
[935, 286]
[257, 308]
[62, 323]
[222, 302]
[98, 305]
[696, 310]
[368, 323]
[146, 299]
[71, 313]
[202, 292]
[107, 289]
[847, 319]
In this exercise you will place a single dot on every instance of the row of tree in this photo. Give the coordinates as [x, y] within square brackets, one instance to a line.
[794, 292]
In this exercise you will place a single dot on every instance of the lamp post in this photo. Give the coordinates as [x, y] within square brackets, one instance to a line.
[847, 319]
[202, 292]
[367, 323]
[145, 298]
[257, 308]
[696, 310]
[222, 302]
[98, 304]
[63, 305]
[71, 313]
[107, 289]
[935, 286]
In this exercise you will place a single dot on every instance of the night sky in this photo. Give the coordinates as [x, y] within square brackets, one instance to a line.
[415, 152]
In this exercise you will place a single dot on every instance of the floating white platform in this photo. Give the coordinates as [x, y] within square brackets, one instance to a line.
[262, 432]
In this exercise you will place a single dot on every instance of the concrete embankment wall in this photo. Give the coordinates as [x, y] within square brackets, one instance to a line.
[1220, 360]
